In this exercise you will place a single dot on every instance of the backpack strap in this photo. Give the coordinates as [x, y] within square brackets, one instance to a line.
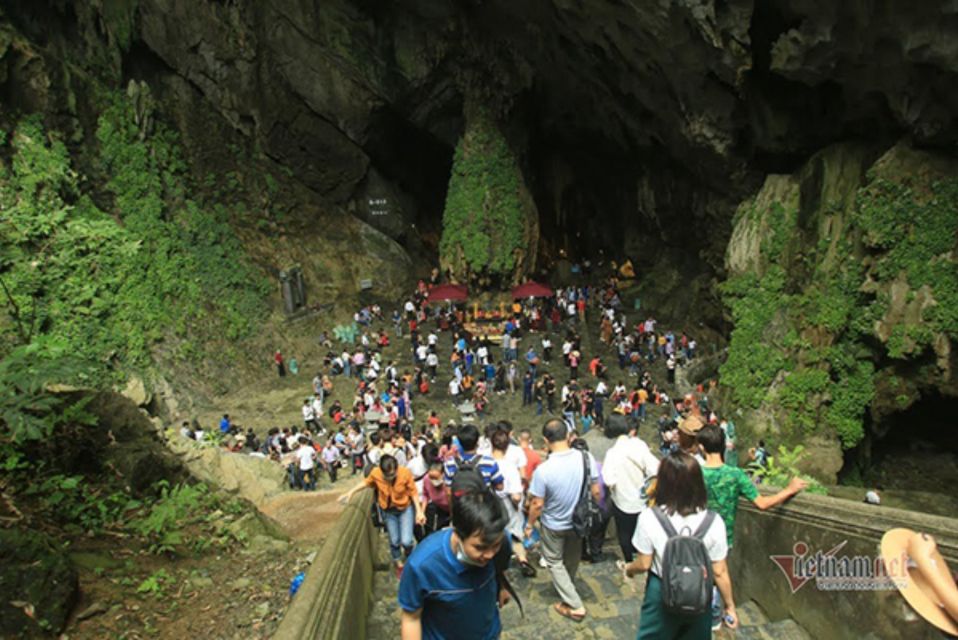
[585, 474]
[664, 521]
[706, 523]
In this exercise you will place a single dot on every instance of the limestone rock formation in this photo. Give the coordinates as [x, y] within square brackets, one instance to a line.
[639, 129]
[842, 289]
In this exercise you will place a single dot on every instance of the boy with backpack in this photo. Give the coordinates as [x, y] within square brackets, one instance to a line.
[487, 467]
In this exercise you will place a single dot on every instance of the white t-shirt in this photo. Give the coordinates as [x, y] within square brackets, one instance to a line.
[516, 456]
[626, 467]
[418, 468]
[308, 412]
[650, 538]
[421, 351]
[454, 387]
[484, 448]
[305, 456]
[432, 360]
[511, 480]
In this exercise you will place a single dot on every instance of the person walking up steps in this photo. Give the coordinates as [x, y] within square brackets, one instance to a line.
[449, 588]
[554, 490]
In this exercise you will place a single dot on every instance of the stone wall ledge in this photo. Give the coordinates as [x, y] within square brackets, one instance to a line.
[861, 520]
[332, 601]
[853, 611]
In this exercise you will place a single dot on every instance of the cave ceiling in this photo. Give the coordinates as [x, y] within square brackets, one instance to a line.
[658, 107]
[717, 86]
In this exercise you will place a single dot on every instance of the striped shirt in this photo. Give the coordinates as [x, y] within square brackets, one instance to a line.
[487, 467]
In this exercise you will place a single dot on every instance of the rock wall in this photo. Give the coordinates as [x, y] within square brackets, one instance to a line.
[842, 288]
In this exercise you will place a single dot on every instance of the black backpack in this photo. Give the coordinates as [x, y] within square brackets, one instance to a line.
[585, 511]
[687, 576]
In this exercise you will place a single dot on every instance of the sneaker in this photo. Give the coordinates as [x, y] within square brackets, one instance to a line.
[716, 624]
[543, 563]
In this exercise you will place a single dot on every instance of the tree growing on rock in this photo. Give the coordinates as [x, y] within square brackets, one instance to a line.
[489, 225]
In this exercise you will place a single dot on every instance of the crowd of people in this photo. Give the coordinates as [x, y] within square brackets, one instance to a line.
[462, 503]
[467, 501]
[505, 499]
[459, 503]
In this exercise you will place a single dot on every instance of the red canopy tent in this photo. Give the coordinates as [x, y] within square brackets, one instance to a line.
[531, 290]
[442, 292]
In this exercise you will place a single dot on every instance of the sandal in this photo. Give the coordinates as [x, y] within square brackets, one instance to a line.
[527, 570]
[565, 611]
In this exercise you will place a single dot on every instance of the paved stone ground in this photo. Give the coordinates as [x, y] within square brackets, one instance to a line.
[613, 608]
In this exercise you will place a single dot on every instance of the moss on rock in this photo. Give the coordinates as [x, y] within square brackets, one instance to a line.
[825, 265]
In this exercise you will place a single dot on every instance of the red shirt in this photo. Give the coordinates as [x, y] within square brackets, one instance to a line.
[533, 460]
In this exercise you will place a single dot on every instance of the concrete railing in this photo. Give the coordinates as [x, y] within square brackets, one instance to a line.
[822, 523]
[334, 598]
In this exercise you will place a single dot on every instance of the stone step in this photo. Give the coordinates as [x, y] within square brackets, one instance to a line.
[779, 630]
[751, 615]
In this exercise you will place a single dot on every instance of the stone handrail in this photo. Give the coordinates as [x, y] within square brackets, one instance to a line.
[332, 602]
[822, 523]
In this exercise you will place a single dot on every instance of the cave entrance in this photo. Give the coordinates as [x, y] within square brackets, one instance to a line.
[911, 450]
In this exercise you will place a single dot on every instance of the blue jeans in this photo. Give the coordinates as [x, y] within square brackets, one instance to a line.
[399, 525]
[310, 484]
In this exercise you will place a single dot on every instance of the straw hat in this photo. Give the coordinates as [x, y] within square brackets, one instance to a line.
[691, 425]
[914, 585]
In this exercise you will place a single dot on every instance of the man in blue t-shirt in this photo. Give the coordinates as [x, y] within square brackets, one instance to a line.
[448, 588]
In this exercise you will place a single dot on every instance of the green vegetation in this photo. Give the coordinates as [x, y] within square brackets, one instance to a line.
[753, 361]
[913, 226]
[153, 584]
[783, 466]
[813, 322]
[89, 290]
[483, 221]
[851, 393]
[106, 286]
[781, 222]
[28, 412]
[796, 393]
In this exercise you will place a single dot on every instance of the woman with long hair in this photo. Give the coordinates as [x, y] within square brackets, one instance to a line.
[680, 500]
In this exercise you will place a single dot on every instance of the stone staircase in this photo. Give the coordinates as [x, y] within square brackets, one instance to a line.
[613, 608]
